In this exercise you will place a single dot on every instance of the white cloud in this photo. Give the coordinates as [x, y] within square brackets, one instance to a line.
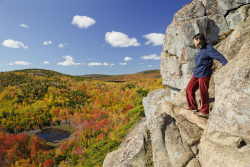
[154, 39]
[13, 44]
[47, 42]
[94, 64]
[24, 25]
[83, 21]
[22, 63]
[46, 62]
[118, 39]
[100, 64]
[123, 64]
[141, 63]
[62, 45]
[149, 65]
[151, 57]
[9, 64]
[68, 62]
[127, 59]
[105, 64]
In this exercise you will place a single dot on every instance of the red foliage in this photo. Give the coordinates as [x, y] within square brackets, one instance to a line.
[48, 163]
[129, 107]
[57, 111]
[101, 136]
[21, 146]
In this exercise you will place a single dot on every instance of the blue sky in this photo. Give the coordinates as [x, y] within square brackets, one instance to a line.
[79, 37]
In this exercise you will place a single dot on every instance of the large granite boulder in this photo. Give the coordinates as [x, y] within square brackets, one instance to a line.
[131, 151]
[157, 127]
[192, 10]
[231, 112]
[178, 150]
[211, 17]
[217, 155]
[231, 46]
[217, 25]
[178, 56]
[156, 102]
[237, 15]
[222, 6]
[174, 141]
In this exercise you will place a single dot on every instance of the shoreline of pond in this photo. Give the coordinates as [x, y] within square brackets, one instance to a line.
[67, 128]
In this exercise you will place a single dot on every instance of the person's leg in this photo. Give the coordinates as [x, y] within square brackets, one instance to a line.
[191, 88]
[204, 85]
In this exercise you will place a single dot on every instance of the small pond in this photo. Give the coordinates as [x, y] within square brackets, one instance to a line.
[52, 135]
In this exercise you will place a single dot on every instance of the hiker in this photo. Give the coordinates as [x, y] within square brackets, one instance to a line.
[202, 74]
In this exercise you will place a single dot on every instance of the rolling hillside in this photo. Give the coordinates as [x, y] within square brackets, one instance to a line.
[100, 112]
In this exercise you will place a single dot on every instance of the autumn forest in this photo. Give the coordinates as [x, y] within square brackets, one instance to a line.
[99, 109]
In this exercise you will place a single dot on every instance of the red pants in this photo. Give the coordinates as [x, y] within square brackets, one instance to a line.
[192, 87]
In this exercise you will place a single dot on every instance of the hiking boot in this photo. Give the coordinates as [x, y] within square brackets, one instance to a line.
[203, 115]
[195, 111]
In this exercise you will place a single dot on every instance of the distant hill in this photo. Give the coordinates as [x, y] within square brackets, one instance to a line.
[126, 77]
[101, 114]
[101, 77]
[20, 77]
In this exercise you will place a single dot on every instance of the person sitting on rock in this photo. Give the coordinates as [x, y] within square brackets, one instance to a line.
[202, 74]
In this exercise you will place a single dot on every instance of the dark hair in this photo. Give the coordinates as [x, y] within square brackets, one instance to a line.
[201, 37]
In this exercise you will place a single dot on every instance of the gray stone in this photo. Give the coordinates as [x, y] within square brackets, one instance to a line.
[173, 93]
[178, 56]
[216, 26]
[194, 163]
[139, 127]
[190, 132]
[213, 7]
[154, 100]
[190, 11]
[133, 155]
[131, 152]
[231, 46]
[224, 139]
[191, 117]
[157, 127]
[179, 152]
[222, 6]
[219, 155]
[232, 108]
[179, 52]
[171, 70]
[173, 40]
[191, 27]
[236, 16]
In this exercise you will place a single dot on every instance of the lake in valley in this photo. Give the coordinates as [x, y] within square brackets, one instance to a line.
[53, 135]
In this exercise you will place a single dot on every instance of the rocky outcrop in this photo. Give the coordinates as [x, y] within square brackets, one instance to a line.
[231, 111]
[180, 138]
[131, 151]
[211, 17]
[230, 47]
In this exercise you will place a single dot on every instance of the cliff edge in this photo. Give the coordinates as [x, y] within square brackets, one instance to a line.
[178, 137]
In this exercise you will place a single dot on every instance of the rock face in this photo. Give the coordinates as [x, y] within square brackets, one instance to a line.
[211, 17]
[131, 152]
[180, 138]
[231, 111]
